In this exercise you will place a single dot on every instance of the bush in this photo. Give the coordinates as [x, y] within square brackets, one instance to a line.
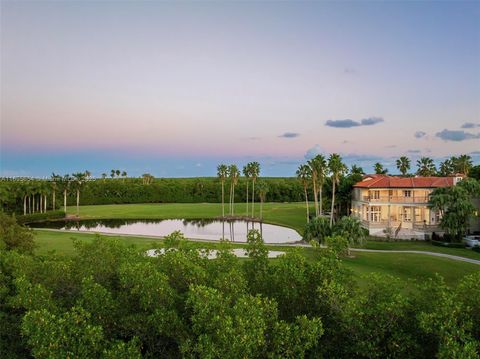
[14, 236]
[40, 217]
[317, 229]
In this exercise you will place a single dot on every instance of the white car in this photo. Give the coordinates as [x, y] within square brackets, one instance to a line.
[472, 241]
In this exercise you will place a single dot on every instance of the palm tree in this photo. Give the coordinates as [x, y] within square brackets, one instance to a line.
[112, 173]
[79, 179]
[104, 176]
[124, 175]
[314, 175]
[117, 173]
[262, 193]
[318, 165]
[147, 178]
[356, 170]
[447, 168]
[43, 189]
[88, 174]
[426, 167]
[66, 181]
[24, 189]
[255, 172]
[222, 173]
[463, 164]
[247, 172]
[233, 173]
[304, 174]
[56, 179]
[403, 165]
[379, 170]
[337, 168]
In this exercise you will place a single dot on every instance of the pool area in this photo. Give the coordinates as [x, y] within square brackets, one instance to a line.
[234, 230]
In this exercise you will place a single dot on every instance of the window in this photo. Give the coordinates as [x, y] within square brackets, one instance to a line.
[407, 193]
[374, 194]
[375, 213]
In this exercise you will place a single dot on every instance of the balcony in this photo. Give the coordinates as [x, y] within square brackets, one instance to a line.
[426, 227]
[395, 199]
[417, 226]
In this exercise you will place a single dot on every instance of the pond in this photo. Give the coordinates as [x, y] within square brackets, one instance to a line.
[195, 229]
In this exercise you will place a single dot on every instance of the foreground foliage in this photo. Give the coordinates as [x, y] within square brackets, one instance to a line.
[110, 301]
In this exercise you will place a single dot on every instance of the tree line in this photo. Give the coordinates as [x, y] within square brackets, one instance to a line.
[462, 164]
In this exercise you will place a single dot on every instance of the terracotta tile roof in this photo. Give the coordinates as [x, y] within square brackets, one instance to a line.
[382, 181]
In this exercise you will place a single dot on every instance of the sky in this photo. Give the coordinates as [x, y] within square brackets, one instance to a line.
[174, 89]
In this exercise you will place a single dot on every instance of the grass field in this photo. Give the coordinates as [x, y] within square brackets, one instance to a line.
[404, 266]
[420, 246]
[291, 215]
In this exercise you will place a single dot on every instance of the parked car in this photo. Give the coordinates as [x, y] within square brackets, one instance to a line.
[472, 241]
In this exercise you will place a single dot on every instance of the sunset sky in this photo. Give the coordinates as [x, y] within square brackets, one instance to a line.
[173, 89]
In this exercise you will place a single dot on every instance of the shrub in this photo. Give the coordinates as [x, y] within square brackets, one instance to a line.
[14, 236]
[317, 229]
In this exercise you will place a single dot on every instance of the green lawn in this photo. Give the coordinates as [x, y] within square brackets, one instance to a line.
[420, 246]
[408, 266]
[286, 214]
[404, 266]
[291, 215]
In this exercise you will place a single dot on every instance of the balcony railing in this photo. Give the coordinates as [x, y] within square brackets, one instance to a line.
[394, 224]
[426, 227]
[396, 199]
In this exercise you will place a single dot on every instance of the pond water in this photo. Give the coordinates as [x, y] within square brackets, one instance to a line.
[197, 229]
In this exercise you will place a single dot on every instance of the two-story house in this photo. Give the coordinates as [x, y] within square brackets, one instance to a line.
[398, 206]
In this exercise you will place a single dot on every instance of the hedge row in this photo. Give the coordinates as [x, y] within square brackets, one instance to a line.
[40, 217]
[448, 244]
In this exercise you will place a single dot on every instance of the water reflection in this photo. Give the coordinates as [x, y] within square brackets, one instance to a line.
[235, 230]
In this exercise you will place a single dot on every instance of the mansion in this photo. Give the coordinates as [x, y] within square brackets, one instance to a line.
[398, 206]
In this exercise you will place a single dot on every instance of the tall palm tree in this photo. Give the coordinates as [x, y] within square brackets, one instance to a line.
[463, 164]
[24, 191]
[321, 164]
[426, 167]
[104, 176]
[79, 179]
[403, 165]
[337, 168]
[233, 172]
[247, 172]
[55, 180]
[255, 172]
[112, 173]
[66, 181]
[44, 189]
[314, 175]
[222, 173]
[262, 194]
[379, 169]
[304, 174]
[124, 175]
[117, 173]
[447, 168]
